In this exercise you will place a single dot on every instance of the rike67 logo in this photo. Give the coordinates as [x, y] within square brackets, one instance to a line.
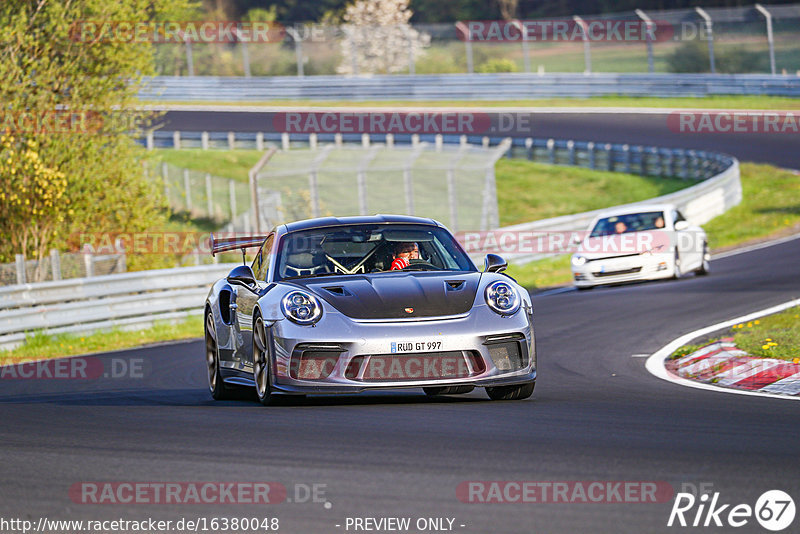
[774, 510]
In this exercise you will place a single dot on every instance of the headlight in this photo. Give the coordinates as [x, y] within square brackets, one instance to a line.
[578, 260]
[301, 307]
[502, 298]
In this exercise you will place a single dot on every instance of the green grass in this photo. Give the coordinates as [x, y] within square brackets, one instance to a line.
[225, 163]
[709, 102]
[774, 336]
[41, 345]
[528, 191]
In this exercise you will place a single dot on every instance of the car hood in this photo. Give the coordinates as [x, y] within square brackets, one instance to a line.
[631, 243]
[392, 295]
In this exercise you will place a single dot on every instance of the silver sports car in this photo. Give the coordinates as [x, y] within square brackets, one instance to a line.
[344, 305]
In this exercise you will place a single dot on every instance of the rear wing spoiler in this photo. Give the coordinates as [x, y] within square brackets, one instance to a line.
[224, 244]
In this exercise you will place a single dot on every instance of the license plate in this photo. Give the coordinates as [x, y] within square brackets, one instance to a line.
[398, 347]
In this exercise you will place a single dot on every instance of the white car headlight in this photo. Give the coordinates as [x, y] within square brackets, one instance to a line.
[301, 308]
[578, 260]
[502, 298]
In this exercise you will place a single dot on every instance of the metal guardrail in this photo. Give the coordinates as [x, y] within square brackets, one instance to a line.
[463, 86]
[129, 300]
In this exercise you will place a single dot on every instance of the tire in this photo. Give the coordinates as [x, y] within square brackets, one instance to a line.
[705, 267]
[677, 274]
[215, 384]
[517, 392]
[261, 364]
[447, 390]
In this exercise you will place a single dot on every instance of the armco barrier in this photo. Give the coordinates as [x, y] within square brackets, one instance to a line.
[462, 86]
[134, 299]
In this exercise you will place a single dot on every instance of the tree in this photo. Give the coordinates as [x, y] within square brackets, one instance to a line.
[378, 38]
[69, 104]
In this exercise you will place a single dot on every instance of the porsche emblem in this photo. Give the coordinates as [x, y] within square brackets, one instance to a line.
[409, 310]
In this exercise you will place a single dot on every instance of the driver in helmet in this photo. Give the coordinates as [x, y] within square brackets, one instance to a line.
[404, 253]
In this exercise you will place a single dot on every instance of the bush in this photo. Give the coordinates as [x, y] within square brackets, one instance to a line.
[497, 65]
[693, 57]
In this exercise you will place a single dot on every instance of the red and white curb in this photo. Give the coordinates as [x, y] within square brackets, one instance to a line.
[739, 373]
[722, 364]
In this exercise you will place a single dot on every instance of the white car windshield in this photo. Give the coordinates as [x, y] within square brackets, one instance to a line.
[629, 222]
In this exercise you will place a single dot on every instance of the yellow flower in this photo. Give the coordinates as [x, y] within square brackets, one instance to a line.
[772, 344]
[757, 321]
[796, 360]
[765, 347]
[769, 339]
[749, 325]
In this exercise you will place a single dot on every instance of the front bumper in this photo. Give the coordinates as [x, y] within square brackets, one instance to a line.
[340, 355]
[616, 270]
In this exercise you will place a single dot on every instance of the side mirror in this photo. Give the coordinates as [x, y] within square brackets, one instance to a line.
[494, 264]
[681, 225]
[242, 275]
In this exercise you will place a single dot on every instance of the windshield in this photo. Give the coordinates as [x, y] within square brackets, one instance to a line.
[369, 248]
[631, 222]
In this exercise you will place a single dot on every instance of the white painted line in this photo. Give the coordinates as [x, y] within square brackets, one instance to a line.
[555, 291]
[640, 355]
[755, 247]
[655, 363]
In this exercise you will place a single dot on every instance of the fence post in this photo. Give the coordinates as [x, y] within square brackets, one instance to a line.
[187, 187]
[176, 140]
[337, 139]
[590, 150]
[189, 59]
[312, 140]
[570, 151]
[770, 42]
[209, 200]
[710, 32]
[529, 147]
[151, 142]
[313, 193]
[365, 140]
[204, 140]
[463, 141]
[389, 140]
[231, 140]
[285, 140]
[260, 141]
[642, 160]
[460, 26]
[22, 276]
[414, 140]
[409, 188]
[55, 264]
[88, 261]
[485, 142]
[551, 150]
[609, 157]
[165, 178]
[232, 198]
[648, 23]
[439, 142]
[626, 155]
[587, 51]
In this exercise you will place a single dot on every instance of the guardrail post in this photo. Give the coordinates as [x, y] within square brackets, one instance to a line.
[176, 140]
[415, 140]
[463, 141]
[337, 139]
[187, 187]
[231, 140]
[365, 140]
[55, 264]
[438, 142]
[657, 162]
[22, 276]
[209, 200]
[642, 160]
[609, 156]
[485, 142]
[590, 151]
[389, 140]
[626, 157]
[312, 140]
[551, 150]
[232, 197]
[150, 142]
[285, 140]
[204, 140]
[260, 141]
[571, 152]
[529, 147]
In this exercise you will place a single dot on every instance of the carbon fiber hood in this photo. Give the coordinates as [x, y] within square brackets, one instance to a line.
[389, 295]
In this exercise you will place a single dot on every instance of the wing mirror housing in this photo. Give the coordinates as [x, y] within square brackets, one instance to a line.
[242, 276]
[681, 225]
[494, 264]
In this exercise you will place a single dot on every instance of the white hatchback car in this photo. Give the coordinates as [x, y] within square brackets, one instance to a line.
[643, 242]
